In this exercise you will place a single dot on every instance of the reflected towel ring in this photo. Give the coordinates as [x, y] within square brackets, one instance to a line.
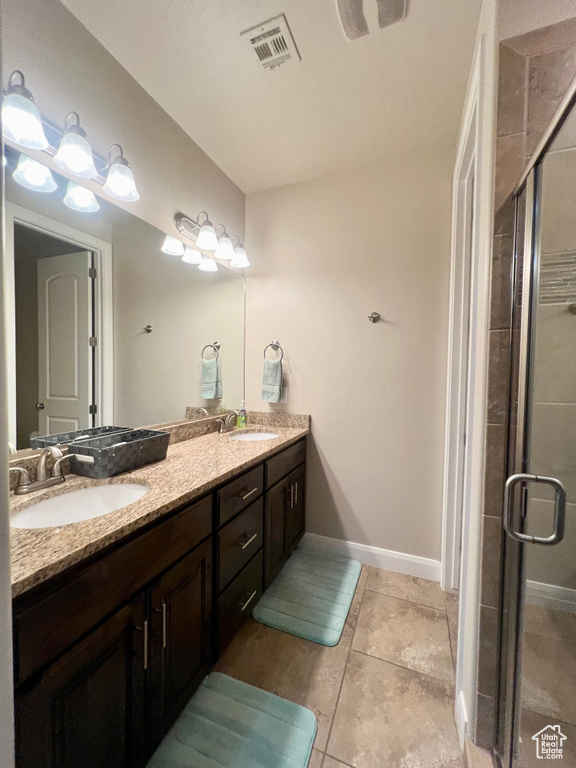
[215, 347]
[276, 346]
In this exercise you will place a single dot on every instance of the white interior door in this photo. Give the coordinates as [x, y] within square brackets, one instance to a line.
[64, 330]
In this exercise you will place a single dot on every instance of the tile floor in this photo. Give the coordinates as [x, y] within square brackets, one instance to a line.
[384, 695]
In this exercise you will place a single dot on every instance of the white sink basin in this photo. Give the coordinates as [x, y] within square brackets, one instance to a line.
[249, 437]
[76, 506]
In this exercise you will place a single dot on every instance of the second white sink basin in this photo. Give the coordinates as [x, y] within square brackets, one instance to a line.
[76, 506]
[251, 436]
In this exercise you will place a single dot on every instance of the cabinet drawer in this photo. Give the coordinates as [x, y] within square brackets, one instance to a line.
[79, 601]
[236, 603]
[279, 466]
[239, 540]
[239, 493]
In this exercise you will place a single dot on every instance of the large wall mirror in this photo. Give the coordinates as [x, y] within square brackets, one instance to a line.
[103, 327]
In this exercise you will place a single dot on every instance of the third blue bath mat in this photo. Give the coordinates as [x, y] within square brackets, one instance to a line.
[311, 596]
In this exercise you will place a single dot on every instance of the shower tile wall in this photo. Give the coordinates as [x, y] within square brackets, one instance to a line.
[535, 71]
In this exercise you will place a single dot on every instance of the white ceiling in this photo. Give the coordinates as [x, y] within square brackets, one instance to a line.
[347, 104]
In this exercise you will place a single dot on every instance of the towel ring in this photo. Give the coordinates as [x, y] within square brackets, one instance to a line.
[215, 347]
[275, 345]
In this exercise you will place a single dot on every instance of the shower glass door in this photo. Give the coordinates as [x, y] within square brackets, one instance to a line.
[537, 719]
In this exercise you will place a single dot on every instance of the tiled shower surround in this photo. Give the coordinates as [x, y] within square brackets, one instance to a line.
[535, 71]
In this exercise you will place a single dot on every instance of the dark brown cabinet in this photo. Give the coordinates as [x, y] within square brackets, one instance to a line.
[89, 707]
[296, 509]
[275, 526]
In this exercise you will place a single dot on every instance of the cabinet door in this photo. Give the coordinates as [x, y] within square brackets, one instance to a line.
[180, 611]
[276, 545]
[296, 508]
[88, 708]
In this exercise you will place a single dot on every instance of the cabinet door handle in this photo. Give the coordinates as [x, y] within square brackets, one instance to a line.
[247, 603]
[291, 497]
[250, 540]
[162, 610]
[144, 630]
[244, 495]
[296, 492]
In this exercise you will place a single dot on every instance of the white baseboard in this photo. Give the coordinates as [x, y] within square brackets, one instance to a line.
[399, 562]
[461, 718]
[551, 596]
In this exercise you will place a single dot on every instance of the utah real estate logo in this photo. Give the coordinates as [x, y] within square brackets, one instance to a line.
[549, 743]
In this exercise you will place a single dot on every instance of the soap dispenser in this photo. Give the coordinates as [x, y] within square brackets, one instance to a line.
[241, 421]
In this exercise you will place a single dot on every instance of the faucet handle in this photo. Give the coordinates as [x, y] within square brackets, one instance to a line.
[23, 477]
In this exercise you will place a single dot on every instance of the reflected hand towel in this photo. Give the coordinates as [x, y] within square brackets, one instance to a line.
[211, 380]
[272, 381]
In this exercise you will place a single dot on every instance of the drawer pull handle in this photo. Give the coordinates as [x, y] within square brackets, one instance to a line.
[291, 497]
[144, 629]
[164, 624]
[247, 603]
[296, 493]
[250, 540]
[244, 495]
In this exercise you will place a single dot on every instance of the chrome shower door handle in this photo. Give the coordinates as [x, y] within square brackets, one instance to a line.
[559, 509]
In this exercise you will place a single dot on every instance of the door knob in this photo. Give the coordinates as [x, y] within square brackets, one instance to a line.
[40, 406]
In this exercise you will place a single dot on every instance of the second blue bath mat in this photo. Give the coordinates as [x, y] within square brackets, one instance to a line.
[311, 596]
[229, 724]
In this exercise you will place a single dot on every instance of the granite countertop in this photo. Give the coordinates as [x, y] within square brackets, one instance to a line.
[191, 469]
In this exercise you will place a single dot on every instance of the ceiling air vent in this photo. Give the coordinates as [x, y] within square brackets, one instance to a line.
[272, 42]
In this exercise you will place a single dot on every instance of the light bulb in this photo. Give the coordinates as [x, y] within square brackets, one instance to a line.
[240, 259]
[207, 239]
[207, 264]
[191, 256]
[75, 153]
[33, 175]
[172, 246]
[80, 199]
[21, 121]
[225, 249]
[120, 180]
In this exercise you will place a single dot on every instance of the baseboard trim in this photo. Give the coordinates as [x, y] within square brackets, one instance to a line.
[551, 596]
[388, 560]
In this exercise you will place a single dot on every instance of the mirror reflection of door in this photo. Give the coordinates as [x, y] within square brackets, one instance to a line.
[54, 322]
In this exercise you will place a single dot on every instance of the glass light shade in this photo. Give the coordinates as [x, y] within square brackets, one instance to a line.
[207, 264]
[120, 183]
[192, 256]
[172, 246]
[225, 249]
[80, 199]
[22, 123]
[207, 239]
[240, 259]
[33, 175]
[75, 156]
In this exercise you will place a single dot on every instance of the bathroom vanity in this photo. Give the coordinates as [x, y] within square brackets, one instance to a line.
[110, 648]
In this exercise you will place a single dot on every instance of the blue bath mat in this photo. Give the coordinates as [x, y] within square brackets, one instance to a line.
[311, 596]
[228, 724]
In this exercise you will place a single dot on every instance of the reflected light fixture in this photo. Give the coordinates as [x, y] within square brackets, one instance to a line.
[172, 246]
[225, 249]
[207, 264]
[192, 256]
[206, 239]
[75, 153]
[33, 175]
[80, 199]
[120, 183]
[240, 259]
[21, 121]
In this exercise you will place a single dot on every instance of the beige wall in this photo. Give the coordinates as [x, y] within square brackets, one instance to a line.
[67, 69]
[157, 375]
[325, 254]
[515, 17]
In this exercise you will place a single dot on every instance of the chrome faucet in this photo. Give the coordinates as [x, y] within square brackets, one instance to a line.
[226, 423]
[43, 479]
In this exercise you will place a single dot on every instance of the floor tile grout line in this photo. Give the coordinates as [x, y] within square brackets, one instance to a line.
[337, 760]
[400, 666]
[404, 599]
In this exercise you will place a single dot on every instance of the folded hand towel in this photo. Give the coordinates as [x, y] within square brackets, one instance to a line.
[272, 381]
[211, 380]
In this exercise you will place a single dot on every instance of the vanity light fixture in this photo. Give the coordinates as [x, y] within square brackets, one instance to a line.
[33, 175]
[240, 259]
[172, 246]
[21, 119]
[207, 264]
[225, 249]
[206, 239]
[81, 199]
[75, 153]
[192, 256]
[120, 183]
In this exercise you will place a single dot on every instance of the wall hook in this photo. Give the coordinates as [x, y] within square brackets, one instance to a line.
[374, 317]
[148, 328]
